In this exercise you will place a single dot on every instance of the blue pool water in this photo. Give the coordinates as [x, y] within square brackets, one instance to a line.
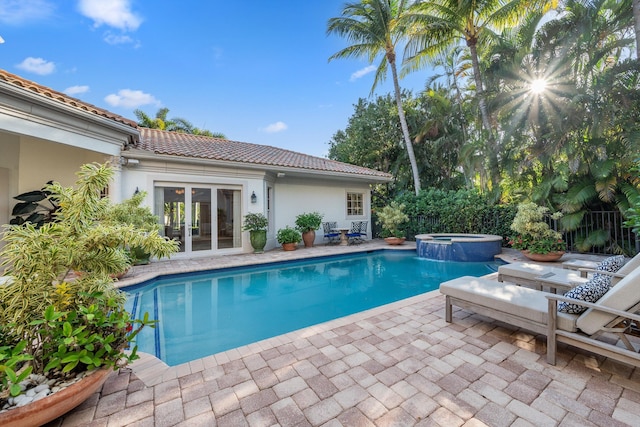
[204, 313]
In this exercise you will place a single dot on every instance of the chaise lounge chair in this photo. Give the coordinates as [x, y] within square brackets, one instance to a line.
[537, 311]
[539, 276]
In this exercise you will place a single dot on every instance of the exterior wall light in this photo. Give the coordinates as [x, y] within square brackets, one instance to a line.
[254, 198]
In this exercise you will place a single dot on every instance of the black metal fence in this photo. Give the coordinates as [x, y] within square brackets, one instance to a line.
[607, 224]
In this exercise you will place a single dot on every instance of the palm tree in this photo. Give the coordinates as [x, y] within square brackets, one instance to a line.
[205, 132]
[434, 26]
[636, 26]
[176, 124]
[373, 27]
[159, 122]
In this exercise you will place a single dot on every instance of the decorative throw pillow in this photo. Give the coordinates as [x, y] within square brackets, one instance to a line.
[591, 291]
[611, 265]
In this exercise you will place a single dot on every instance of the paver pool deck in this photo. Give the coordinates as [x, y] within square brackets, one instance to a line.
[396, 365]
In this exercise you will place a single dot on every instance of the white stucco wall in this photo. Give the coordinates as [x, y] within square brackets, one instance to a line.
[329, 198]
[27, 164]
[10, 149]
[42, 161]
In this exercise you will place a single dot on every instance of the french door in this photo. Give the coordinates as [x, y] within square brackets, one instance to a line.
[201, 218]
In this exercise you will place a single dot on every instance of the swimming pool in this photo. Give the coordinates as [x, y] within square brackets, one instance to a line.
[208, 312]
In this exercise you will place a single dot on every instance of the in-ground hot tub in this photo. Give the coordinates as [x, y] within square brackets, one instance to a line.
[459, 247]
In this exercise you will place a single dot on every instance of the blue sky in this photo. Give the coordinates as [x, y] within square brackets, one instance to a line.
[256, 71]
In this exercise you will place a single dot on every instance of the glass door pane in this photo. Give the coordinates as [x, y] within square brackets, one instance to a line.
[172, 212]
[229, 220]
[201, 219]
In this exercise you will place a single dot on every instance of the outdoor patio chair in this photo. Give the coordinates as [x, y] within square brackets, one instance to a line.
[358, 229]
[363, 228]
[539, 276]
[610, 316]
[331, 236]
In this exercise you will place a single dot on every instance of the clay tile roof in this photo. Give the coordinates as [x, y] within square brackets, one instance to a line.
[61, 97]
[204, 147]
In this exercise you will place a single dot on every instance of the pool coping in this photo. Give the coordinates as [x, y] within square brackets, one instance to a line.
[459, 237]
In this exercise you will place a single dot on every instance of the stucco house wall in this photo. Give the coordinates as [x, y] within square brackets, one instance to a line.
[326, 197]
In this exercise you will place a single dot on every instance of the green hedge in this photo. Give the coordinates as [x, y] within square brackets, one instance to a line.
[461, 211]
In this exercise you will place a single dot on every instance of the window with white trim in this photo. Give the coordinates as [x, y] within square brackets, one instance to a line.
[355, 204]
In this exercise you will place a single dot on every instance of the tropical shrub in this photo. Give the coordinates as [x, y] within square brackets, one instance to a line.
[68, 323]
[533, 232]
[391, 217]
[132, 212]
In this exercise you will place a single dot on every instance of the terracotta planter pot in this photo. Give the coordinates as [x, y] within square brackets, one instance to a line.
[395, 240]
[548, 257]
[57, 404]
[308, 237]
[119, 275]
[289, 246]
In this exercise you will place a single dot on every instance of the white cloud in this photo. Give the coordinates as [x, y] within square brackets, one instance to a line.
[114, 13]
[275, 127]
[17, 12]
[116, 39]
[363, 72]
[76, 90]
[37, 66]
[128, 98]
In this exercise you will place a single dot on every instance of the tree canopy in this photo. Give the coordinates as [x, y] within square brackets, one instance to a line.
[561, 90]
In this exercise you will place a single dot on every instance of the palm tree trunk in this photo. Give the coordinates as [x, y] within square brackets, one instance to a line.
[405, 129]
[636, 25]
[492, 149]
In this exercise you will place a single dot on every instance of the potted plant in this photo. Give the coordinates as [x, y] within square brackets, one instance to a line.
[289, 238]
[307, 224]
[55, 329]
[256, 224]
[534, 238]
[390, 218]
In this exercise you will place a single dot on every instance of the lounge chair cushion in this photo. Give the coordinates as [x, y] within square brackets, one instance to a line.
[516, 300]
[624, 295]
[525, 270]
[591, 291]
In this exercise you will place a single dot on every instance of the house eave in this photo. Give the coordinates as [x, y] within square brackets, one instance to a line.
[72, 125]
[278, 172]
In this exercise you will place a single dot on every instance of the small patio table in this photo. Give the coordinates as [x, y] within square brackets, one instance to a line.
[343, 235]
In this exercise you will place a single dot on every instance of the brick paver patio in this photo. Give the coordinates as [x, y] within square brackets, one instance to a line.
[396, 365]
